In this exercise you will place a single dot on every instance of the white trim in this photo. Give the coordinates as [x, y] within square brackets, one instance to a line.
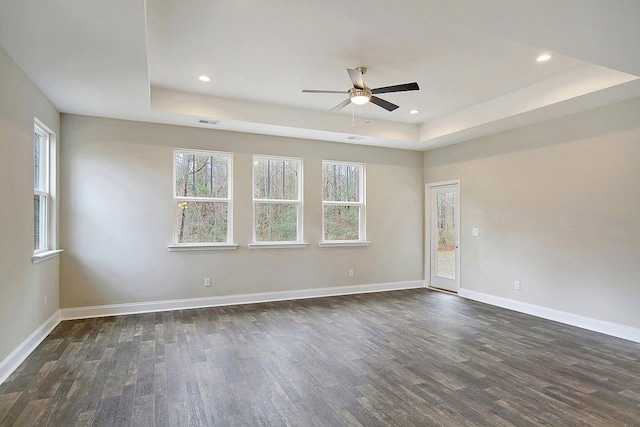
[427, 226]
[53, 190]
[17, 356]
[181, 304]
[609, 328]
[43, 185]
[277, 245]
[202, 199]
[443, 183]
[338, 243]
[277, 201]
[203, 247]
[13, 361]
[46, 186]
[299, 202]
[361, 203]
[43, 256]
[427, 230]
[228, 200]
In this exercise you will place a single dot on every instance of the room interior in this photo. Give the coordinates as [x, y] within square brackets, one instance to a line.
[528, 111]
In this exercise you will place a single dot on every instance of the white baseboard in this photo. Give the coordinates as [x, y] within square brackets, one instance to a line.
[12, 361]
[604, 327]
[179, 304]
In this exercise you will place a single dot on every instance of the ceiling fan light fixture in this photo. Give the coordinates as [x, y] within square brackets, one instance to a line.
[360, 100]
[544, 57]
[360, 96]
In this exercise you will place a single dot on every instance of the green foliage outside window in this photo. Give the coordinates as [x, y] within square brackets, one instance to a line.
[343, 201]
[205, 177]
[341, 222]
[276, 179]
[276, 222]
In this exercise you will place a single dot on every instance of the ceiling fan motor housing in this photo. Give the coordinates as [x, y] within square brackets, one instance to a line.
[360, 96]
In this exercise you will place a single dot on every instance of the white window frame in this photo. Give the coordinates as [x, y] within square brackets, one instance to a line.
[362, 228]
[44, 187]
[299, 243]
[175, 247]
[48, 189]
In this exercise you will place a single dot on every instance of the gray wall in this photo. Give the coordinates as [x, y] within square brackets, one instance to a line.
[116, 218]
[558, 208]
[23, 285]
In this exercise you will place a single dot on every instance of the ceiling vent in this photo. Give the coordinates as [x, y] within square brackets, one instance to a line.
[209, 122]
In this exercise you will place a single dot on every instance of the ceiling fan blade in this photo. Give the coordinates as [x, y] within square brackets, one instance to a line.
[341, 105]
[384, 104]
[324, 91]
[356, 78]
[397, 88]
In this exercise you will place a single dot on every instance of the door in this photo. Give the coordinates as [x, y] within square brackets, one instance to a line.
[444, 236]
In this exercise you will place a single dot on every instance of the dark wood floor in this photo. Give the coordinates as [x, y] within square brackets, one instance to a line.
[409, 358]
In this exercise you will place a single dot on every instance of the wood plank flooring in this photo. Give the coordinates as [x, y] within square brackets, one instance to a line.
[405, 358]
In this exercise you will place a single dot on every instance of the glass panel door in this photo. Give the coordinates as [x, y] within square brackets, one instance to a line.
[446, 237]
[444, 217]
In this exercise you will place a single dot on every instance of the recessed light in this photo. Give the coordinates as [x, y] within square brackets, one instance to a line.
[544, 57]
[204, 78]
[414, 112]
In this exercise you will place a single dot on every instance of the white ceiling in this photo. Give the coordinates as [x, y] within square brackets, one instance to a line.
[474, 62]
[269, 56]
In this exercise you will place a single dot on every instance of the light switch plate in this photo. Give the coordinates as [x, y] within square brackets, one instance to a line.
[475, 231]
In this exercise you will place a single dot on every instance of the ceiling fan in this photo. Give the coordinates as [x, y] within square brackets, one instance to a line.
[360, 94]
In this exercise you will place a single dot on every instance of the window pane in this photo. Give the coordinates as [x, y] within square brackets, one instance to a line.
[36, 222]
[275, 179]
[446, 255]
[341, 222]
[39, 222]
[340, 183]
[201, 175]
[202, 222]
[37, 147]
[276, 222]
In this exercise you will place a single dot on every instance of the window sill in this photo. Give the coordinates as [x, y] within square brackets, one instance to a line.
[43, 256]
[278, 245]
[212, 247]
[343, 244]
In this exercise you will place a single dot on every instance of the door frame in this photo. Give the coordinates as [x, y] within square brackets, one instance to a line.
[427, 230]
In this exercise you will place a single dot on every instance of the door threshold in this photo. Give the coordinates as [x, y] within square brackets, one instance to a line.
[446, 291]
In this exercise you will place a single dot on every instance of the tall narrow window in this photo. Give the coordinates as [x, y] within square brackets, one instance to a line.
[343, 202]
[202, 197]
[277, 199]
[41, 190]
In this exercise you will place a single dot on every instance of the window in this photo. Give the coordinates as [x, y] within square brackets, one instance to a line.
[41, 190]
[343, 189]
[202, 197]
[277, 199]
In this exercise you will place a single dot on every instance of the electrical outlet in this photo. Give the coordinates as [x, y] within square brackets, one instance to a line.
[475, 232]
[207, 282]
[351, 272]
[517, 285]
